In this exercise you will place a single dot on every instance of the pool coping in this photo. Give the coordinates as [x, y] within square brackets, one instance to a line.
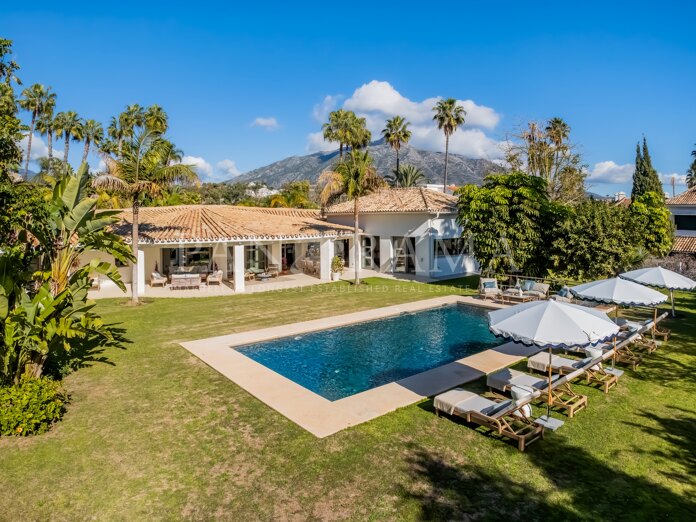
[323, 417]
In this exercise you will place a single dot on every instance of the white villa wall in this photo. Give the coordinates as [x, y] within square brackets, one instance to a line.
[424, 228]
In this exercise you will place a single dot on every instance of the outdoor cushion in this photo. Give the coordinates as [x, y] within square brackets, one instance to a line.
[535, 293]
[593, 353]
[540, 287]
[563, 292]
[527, 285]
[491, 411]
[489, 284]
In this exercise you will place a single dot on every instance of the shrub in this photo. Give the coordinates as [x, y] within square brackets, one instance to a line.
[31, 406]
[337, 264]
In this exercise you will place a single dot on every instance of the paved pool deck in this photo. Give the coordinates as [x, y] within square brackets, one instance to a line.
[323, 417]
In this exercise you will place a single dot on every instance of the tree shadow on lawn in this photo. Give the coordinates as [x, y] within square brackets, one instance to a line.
[85, 352]
[597, 489]
[679, 431]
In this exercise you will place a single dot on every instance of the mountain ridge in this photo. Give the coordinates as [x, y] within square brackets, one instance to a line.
[461, 170]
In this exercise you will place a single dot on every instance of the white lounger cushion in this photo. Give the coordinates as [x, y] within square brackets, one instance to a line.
[463, 401]
[540, 362]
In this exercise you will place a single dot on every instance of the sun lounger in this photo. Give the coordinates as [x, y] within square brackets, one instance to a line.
[591, 367]
[509, 418]
[562, 394]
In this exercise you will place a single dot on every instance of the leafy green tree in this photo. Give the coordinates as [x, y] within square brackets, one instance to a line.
[449, 117]
[345, 128]
[591, 240]
[34, 99]
[652, 220]
[395, 134]
[645, 178]
[353, 178]
[142, 172]
[507, 219]
[92, 133]
[295, 194]
[407, 176]
[8, 67]
[69, 126]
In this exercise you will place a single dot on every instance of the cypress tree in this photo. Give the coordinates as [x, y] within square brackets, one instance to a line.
[652, 180]
[645, 178]
[638, 175]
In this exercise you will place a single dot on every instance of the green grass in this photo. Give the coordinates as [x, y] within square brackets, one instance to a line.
[156, 434]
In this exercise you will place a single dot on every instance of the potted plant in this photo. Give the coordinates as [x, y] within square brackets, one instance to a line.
[337, 267]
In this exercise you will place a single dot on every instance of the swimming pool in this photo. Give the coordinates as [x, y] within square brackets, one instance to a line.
[344, 361]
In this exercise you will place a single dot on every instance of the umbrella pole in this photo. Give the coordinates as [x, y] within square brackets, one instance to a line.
[613, 355]
[654, 323]
[548, 402]
[671, 298]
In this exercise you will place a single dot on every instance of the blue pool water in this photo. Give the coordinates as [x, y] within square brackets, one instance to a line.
[347, 360]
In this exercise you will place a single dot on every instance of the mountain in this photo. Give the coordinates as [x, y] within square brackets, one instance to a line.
[461, 170]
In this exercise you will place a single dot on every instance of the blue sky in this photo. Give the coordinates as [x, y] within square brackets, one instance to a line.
[614, 72]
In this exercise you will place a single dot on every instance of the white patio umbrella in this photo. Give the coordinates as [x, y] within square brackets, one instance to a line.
[620, 292]
[661, 278]
[550, 324]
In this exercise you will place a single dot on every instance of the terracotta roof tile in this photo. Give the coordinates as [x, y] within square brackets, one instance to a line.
[684, 244]
[685, 198]
[201, 223]
[416, 199]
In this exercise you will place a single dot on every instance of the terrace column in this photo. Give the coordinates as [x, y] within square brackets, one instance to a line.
[238, 263]
[326, 254]
[141, 272]
[276, 254]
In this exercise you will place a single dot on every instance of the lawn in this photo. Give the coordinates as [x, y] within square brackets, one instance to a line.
[156, 434]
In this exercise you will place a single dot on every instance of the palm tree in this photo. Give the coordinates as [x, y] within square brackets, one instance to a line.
[449, 116]
[117, 133]
[406, 177]
[156, 119]
[92, 133]
[691, 173]
[395, 133]
[345, 128]
[353, 178]
[133, 116]
[45, 124]
[68, 125]
[140, 171]
[35, 98]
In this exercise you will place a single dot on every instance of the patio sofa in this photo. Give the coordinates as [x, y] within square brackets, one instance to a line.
[185, 281]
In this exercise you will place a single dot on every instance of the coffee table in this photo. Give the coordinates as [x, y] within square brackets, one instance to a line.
[516, 298]
[263, 277]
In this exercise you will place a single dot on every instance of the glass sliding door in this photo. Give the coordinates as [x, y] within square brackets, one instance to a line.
[256, 257]
[404, 254]
[187, 259]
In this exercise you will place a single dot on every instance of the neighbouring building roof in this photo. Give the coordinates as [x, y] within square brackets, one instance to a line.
[400, 200]
[215, 223]
[685, 198]
[684, 245]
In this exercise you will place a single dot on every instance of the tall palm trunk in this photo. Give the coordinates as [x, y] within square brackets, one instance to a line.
[444, 188]
[85, 151]
[31, 136]
[356, 241]
[67, 147]
[340, 151]
[397, 167]
[134, 238]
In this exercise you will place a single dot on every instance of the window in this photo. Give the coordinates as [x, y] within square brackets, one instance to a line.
[685, 222]
[451, 247]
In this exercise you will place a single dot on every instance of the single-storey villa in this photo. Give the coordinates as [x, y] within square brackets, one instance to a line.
[403, 231]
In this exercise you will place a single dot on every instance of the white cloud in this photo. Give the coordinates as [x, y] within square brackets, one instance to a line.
[203, 168]
[317, 143]
[228, 168]
[266, 123]
[377, 101]
[321, 110]
[679, 179]
[611, 172]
